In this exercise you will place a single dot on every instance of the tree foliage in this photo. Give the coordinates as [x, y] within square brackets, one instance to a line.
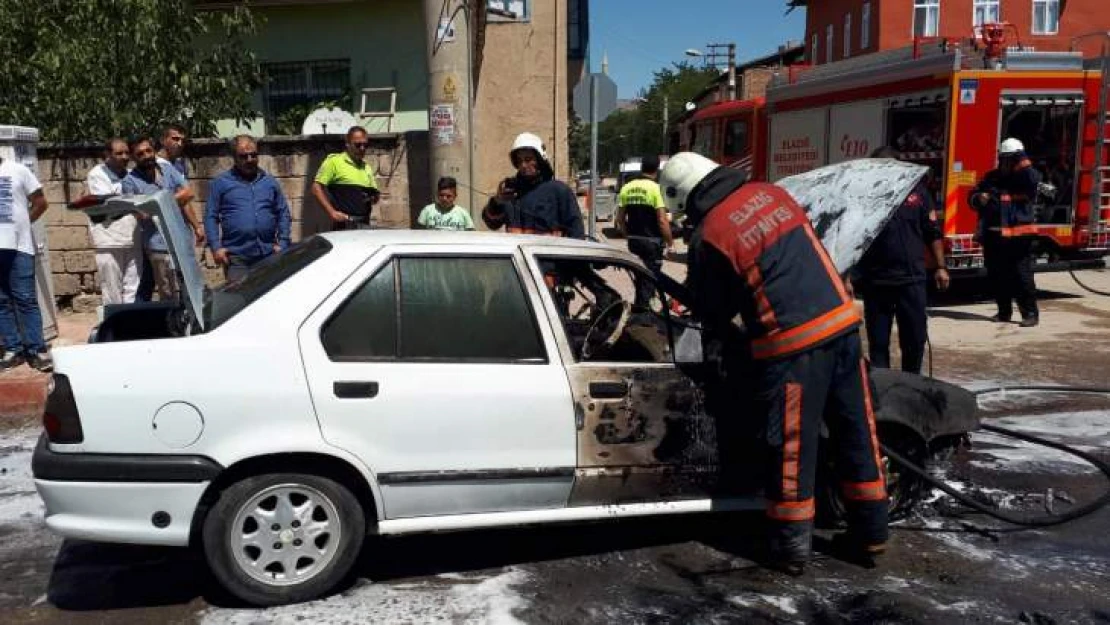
[640, 130]
[84, 70]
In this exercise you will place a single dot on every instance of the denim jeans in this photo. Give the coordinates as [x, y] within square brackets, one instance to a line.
[20, 318]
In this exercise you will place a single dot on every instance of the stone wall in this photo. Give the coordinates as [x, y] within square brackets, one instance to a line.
[400, 162]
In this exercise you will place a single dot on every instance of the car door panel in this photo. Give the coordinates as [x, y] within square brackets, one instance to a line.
[446, 437]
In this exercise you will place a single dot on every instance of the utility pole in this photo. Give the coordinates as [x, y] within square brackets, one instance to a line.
[666, 114]
[451, 92]
[717, 57]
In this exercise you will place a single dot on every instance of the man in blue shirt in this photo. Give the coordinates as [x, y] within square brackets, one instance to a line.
[246, 217]
[149, 176]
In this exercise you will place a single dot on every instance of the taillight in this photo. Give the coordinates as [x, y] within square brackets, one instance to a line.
[60, 418]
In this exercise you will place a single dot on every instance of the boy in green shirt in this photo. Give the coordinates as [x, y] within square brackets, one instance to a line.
[443, 214]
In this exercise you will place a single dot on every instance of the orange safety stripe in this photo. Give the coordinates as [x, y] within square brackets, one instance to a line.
[791, 440]
[763, 305]
[869, 413]
[1018, 231]
[864, 491]
[791, 510]
[819, 249]
[807, 334]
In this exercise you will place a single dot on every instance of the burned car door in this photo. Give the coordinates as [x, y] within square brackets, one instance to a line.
[642, 432]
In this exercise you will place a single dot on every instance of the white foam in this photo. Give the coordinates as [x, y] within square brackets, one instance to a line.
[491, 600]
[19, 502]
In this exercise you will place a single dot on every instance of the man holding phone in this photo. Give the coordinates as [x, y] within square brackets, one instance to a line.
[533, 202]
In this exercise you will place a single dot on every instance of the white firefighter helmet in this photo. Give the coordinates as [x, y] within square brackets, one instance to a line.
[680, 175]
[1010, 147]
[527, 140]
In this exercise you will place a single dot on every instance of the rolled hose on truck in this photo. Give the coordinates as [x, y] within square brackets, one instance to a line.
[1041, 521]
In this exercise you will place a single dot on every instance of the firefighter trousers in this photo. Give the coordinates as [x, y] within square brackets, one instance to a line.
[906, 303]
[1009, 263]
[829, 384]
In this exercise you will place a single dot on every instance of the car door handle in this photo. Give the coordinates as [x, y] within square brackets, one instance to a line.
[356, 390]
[608, 390]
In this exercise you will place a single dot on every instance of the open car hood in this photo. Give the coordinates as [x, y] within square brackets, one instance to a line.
[850, 203]
[179, 240]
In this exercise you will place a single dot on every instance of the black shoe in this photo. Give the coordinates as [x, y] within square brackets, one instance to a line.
[1030, 322]
[41, 361]
[849, 549]
[1001, 318]
[10, 360]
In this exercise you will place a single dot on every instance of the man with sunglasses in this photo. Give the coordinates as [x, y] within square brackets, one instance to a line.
[345, 185]
[246, 217]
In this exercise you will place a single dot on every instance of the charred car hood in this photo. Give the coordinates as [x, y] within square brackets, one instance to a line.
[162, 207]
[850, 203]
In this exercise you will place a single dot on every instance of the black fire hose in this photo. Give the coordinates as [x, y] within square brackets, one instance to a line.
[1085, 287]
[1042, 521]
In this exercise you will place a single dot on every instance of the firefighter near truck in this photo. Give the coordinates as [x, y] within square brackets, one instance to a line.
[940, 105]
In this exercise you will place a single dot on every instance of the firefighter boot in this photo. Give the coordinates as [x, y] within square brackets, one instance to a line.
[789, 549]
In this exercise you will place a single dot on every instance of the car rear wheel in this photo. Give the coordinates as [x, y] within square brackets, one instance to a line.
[283, 537]
[904, 488]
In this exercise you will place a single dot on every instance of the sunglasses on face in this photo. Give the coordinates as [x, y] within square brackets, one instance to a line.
[361, 146]
[247, 155]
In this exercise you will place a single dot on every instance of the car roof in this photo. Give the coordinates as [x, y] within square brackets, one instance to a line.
[384, 236]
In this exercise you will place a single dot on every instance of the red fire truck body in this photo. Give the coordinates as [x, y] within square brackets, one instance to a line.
[937, 107]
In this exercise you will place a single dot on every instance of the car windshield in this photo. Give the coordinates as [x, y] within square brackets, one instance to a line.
[225, 302]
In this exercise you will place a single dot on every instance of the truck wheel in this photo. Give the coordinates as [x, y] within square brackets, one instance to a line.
[904, 489]
[283, 537]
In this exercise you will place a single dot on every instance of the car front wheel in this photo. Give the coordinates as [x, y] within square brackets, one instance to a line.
[283, 537]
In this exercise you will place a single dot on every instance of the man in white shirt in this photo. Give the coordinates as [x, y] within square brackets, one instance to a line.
[20, 317]
[116, 239]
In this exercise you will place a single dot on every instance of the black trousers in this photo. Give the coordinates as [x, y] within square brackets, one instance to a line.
[828, 384]
[651, 252]
[1009, 263]
[882, 305]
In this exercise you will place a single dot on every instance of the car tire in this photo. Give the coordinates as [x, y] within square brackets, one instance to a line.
[283, 537]
[904, 489]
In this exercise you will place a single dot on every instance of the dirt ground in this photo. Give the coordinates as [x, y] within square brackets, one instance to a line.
[944, 566]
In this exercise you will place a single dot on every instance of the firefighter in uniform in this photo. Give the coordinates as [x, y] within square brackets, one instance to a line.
[891, 278]
[642, 219]
[533, 202]
[754, 254]
[1004, 200]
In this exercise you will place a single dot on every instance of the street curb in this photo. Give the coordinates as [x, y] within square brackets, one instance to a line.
[22, 396]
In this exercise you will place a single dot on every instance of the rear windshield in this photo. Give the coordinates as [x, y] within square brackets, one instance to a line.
[225, 302]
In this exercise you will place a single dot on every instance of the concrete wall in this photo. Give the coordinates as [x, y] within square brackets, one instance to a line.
[523, 88]
[400, 162]
[892, 23]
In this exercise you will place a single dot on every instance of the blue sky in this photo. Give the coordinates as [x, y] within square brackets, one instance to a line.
[644, 35]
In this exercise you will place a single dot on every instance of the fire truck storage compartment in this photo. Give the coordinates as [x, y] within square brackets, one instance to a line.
[1049, 126]
[917, 127]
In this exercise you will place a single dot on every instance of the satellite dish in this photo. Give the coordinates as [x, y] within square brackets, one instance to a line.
[325, 121]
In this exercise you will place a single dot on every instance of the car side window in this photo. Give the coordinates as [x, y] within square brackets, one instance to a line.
[466, 309]
[611, 312]
[365, 326]
[453, 309]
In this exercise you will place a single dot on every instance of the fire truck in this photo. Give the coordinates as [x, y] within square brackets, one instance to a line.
[946, 107]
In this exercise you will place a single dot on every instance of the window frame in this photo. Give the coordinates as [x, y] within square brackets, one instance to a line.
[393, 263]
[830, 42]
[848, 35]
[1045, 5]
[986, 5]
[865, 26]
[931, 7]
[305, 88]
[815, 45]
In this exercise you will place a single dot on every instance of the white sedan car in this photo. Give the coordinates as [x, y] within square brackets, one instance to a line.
[388, 382]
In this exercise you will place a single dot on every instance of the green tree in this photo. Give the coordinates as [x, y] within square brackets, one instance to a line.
[87, 69]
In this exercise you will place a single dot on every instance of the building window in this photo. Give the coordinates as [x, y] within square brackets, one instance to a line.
[521, 10]
[830, 37]
[986, 12]
[290, 85]
[865, 27]
[926, 18]
[1046, 17]
[578, 28]
[814, 42]
[847, 35]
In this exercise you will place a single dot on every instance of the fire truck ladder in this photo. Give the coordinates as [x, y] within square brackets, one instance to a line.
[1099, 220]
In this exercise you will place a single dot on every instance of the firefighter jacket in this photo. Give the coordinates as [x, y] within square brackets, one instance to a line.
[755, 254]
[1009, 211]
[542, 205]
[897, 257]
